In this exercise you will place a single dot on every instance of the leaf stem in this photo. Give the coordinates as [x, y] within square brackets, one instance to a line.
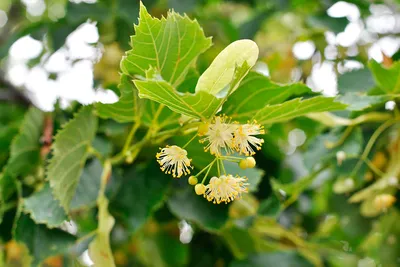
[371, 142]
[191, 139]
[209, 168]
[131, 134]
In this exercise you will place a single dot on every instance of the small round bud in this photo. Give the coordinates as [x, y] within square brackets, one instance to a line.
[200, 189]
[243, 164]
[340, 157]
[192, 180]
[384, 201]
[251, 162]
[203, 128]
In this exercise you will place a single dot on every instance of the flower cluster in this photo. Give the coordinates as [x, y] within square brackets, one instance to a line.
[222, 135]
[222, 138]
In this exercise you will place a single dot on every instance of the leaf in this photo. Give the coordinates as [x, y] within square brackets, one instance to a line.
[320, 147]
[143, 190]
[276, 259]
[88, 186]
[171, 45]
[201, 105]
[185, 204]
[388, 79]
[25, 148]
[41, 241]
[161, 249]
[291, 109]
[256, 91]
[270, 207]
[360, 80]
[356, 101]
[127, 109]
[43, 208]
[70, 151]
[222, 70]
[99, 248]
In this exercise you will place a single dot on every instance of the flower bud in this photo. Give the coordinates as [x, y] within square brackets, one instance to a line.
[243, 164]
[192, 180]
[200, 189]
[203, 128]
[251, 162]
[384, 201]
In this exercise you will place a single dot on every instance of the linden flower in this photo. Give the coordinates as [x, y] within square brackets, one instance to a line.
[173, 160]
[219, 135]
[225, 188]
[244, 139]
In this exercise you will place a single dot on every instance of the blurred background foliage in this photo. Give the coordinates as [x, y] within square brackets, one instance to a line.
[59, 54]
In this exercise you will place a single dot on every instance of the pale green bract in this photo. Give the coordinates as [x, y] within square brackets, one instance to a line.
[70, 151]
[221, 71]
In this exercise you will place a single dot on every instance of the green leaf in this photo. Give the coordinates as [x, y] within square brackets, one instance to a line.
[70, 151]
[276, 259]
[356, 101]
[320, 148]
[161, 249]
[201, 105]
[127, 109]
[270, 207]
[291, 109]
[99, 248]
[43, 208]
[256, 91]
[143, 190]
[25, 148]
[360, 80]
[388, 79]
[88, 186]
[222, 70]
[171, 45]
[41, 241]
[185, 204]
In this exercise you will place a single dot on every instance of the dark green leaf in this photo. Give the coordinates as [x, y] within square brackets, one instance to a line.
[70, 151]
[44, 209]
[256, 91]
[356, 81]
[185, 204]
[142, 192]
[276, 259]
[41, 241]
[25, 148]
[88, 186]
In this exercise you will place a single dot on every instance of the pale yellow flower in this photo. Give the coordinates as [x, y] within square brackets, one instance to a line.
[173, 160]
[225, 188]
[244, 139]
[219, 135]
